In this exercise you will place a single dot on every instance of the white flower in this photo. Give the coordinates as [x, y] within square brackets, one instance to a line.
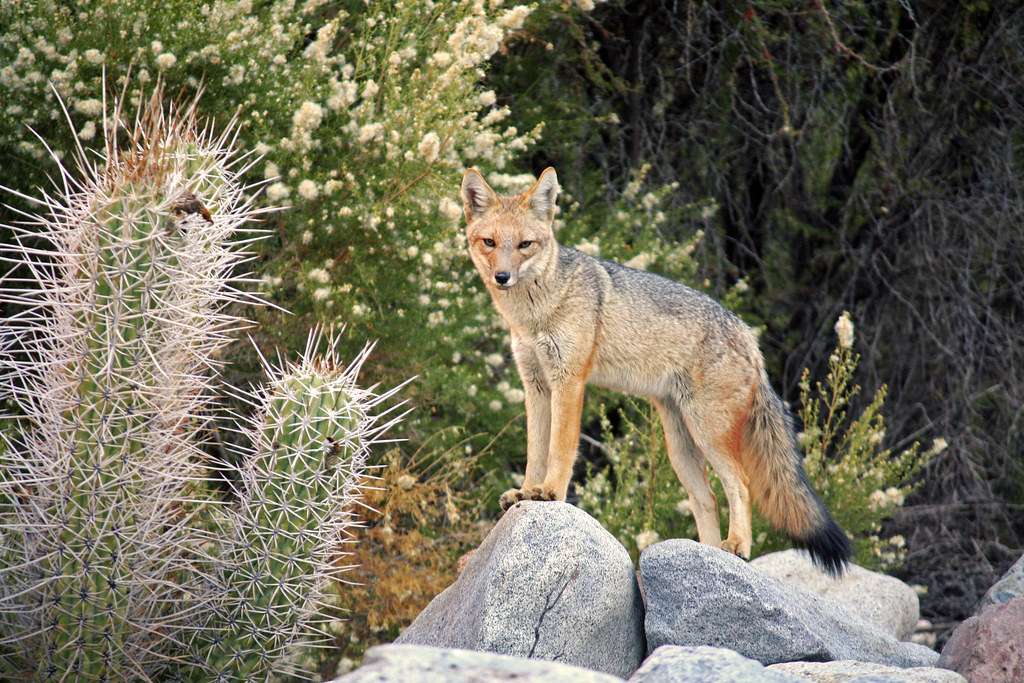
[89, 107]
[93, 56]
[321, 293]
[646, 538]
[471, 391]
[487, 98]
[88, 131]
[429, 147]
[308, 189]
[450, 209]
[307, 236]
[412, 251]
[513, 19]
[370, 89]
[441, 59]
[359, 310]
[277, 191]
[166, 61]
[939, 445]
[515, 396]
[844, 330]
[494, 405]
[494, 359]
[640, 261]
[308, 116]
[590, 248]
[369, 132]
[320, 275]
[684, 507]
[741, 285]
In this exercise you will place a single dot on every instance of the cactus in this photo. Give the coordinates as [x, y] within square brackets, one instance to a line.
[116, 558]
[310, 437]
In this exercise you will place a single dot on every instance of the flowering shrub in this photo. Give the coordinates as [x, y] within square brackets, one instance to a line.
[637, 497]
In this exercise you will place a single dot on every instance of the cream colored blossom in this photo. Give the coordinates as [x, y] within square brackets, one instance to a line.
[487, 98]
[277, 192]
[429, 147]
[93, 56]
[308, 116]
[646, 538]
[308, 190]
[641, 261]
[165, 61]
[844, 330]
[89, 107]
[88, 131]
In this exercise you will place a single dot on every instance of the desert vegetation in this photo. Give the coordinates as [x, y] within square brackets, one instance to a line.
[843, 176]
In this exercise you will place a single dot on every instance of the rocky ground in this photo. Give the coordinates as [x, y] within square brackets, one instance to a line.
[551, 596]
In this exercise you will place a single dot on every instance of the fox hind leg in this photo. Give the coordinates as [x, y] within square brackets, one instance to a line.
[689, 466]
[719, 438]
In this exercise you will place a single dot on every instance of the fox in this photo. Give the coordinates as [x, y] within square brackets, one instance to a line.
[576, 320]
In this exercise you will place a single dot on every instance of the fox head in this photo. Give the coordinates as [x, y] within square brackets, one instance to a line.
[510, 239]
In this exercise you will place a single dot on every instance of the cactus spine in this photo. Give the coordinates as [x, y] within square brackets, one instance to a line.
[110, 569]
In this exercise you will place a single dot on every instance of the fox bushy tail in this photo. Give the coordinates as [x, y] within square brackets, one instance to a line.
[779, 484]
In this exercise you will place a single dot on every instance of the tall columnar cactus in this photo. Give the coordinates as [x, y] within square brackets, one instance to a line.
[119, 297]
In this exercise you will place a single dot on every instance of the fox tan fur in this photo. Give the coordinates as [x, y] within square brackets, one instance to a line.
[576, 320]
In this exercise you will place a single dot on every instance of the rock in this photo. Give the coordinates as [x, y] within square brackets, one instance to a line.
[674, 664]
[548, 582]
[421, 664]
[699, 595]
[849, 671]
[875, 597]
[1010, 586]
[989, 647]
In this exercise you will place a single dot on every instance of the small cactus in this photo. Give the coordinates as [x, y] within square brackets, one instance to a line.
[117, 561]
[310, 439]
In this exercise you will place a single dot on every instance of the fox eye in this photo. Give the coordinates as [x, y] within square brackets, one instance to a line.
[525, 244]
[488, 242]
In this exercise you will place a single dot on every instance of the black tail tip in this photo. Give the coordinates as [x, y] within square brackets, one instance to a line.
[829, 548]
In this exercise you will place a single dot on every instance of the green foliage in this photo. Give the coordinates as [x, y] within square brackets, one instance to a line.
[637, 496]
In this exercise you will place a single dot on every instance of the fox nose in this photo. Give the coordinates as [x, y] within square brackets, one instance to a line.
[502, 277]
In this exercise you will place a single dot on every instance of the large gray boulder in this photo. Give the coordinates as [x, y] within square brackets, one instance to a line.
[548, 582]
[420, 664]
[1010, 586]
[874, 597]
[674, 664]
[848, 671]
[700, 595]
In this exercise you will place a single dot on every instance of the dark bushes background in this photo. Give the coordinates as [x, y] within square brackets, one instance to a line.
[865, 156]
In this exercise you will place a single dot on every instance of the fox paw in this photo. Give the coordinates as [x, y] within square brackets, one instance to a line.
[736, 548]
[539, 493]
[510, 498]
[513, 496]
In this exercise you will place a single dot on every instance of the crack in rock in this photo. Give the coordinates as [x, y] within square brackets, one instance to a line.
[549, 605]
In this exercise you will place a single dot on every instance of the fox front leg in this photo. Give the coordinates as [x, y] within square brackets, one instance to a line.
[566, 411]
[538, 427]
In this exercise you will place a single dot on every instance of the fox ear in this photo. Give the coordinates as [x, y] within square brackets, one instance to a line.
[542, 196]
[477, 195]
